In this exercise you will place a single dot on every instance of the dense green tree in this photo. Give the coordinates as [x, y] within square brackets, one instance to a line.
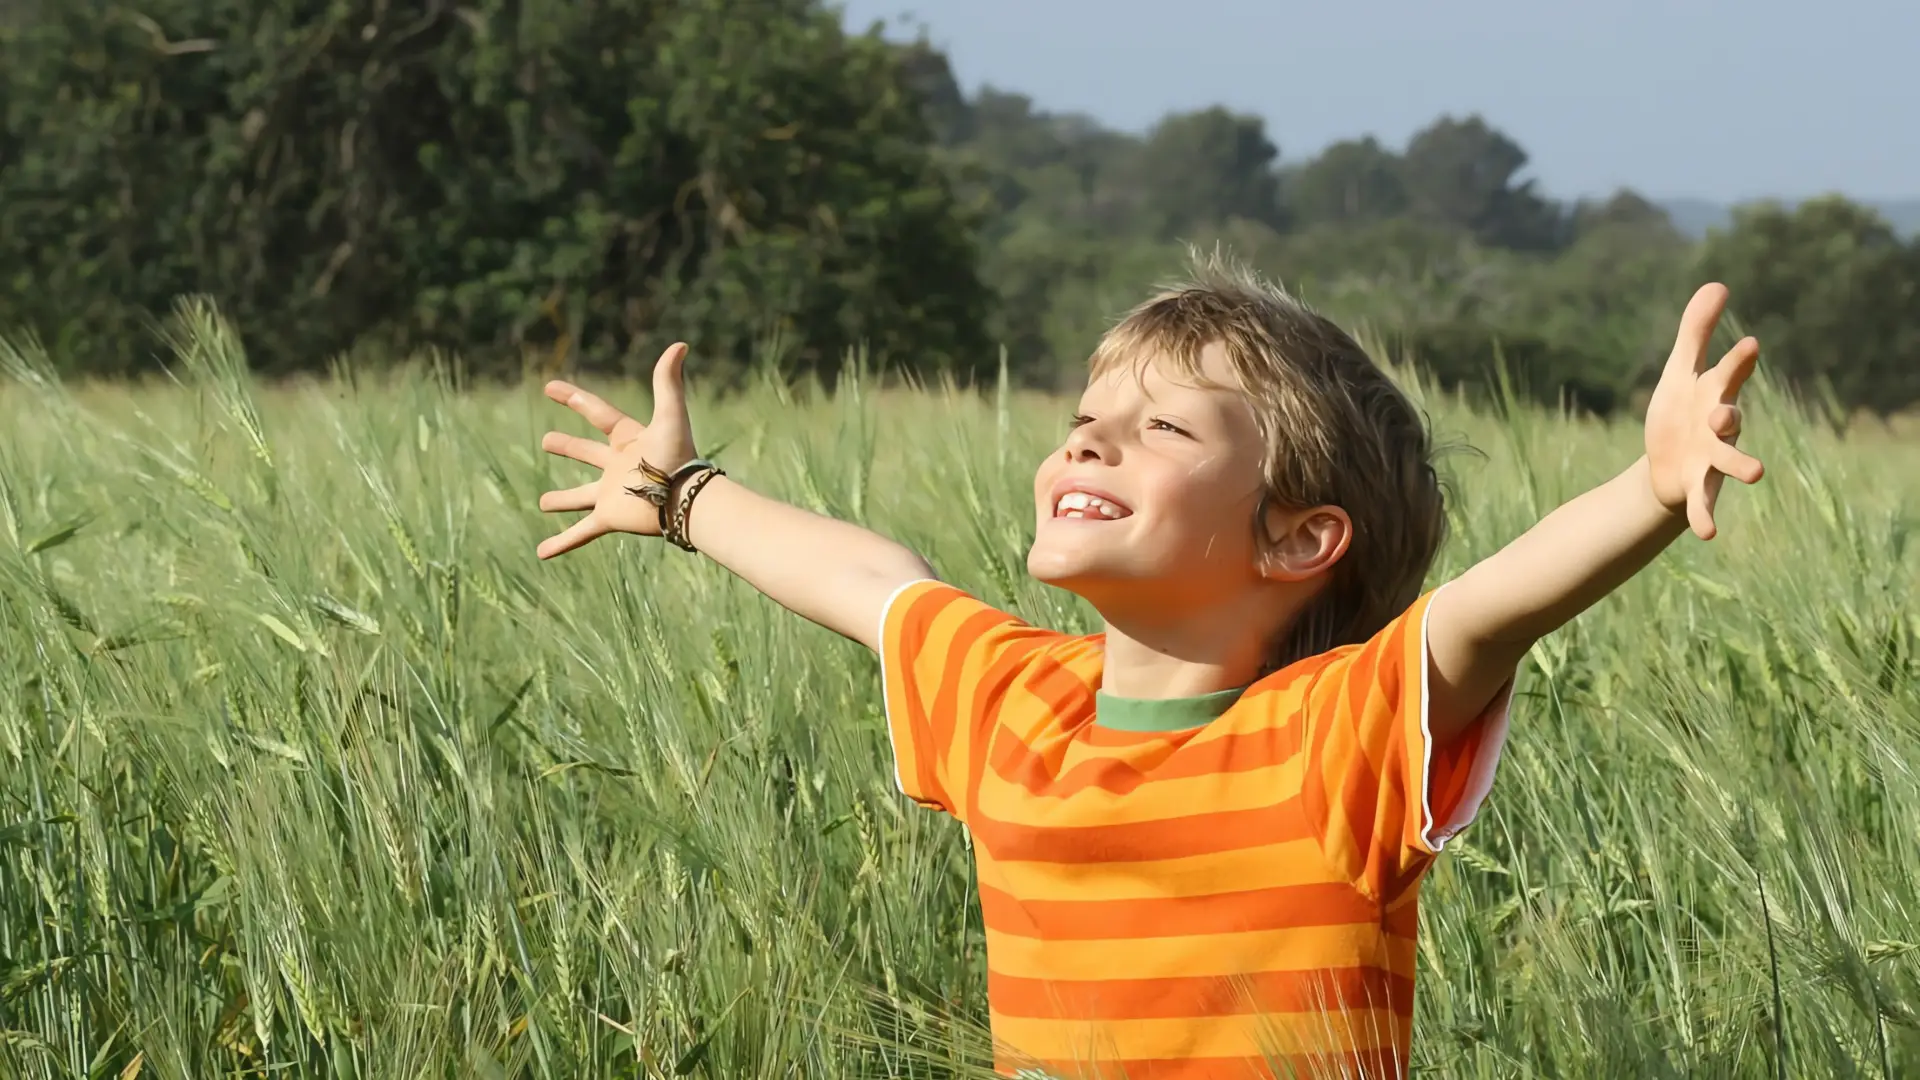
[1204, 167]
[1614, 294]
[1466, 173]
[1832, 292]
[928, 74]
[611, 173]
[1060, 166]
[1622, 208]
[1355, 180]
[591, 178]
[1478, 359]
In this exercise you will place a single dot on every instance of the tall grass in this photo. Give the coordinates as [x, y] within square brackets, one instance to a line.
[309, 768]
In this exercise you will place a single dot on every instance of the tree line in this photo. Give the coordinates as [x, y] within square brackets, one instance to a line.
[584, 180]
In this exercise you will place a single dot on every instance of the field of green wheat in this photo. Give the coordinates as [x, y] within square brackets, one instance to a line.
[309, 768]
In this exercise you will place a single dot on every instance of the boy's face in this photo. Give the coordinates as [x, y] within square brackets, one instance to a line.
[1152, 496]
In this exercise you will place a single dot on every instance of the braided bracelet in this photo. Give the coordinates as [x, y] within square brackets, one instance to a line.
[676, 530]
[660, 489]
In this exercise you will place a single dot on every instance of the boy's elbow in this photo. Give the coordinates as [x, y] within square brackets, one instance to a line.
[857, 605]
[903, 568]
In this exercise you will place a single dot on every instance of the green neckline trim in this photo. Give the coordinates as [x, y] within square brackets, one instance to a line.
[1162, 714]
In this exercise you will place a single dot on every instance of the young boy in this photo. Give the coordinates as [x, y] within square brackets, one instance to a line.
[1199, 835]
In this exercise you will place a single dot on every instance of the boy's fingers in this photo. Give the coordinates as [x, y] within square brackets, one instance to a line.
[1735, 367]
[584, 531]
[1700, 514]
[1724, 421]
[1703, 500]
[669, 392]
[597, 454]
[601, 414]
[1731, 462]
[1696, 327]
[583, 497]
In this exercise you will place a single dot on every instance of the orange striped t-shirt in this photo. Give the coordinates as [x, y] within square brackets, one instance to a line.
[1232, 899]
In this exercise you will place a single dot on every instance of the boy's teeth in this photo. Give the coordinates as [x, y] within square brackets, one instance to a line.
[1078, 504]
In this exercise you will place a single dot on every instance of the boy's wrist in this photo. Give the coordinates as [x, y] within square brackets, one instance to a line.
[670, 488]
[684, 485]
[1668, 515]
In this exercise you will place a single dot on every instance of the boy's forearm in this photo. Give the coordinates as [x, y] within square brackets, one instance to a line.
[1576, 555]
[831, 572]
[1487, 619]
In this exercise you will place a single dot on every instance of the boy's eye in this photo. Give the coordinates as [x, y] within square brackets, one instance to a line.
[1079, 419]
[1162, 425]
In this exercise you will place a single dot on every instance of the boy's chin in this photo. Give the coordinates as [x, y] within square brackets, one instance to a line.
[1113, 584]
[1075, 572]
[1050, 568]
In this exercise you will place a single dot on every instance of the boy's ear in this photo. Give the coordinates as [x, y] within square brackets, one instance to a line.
[1302, 543]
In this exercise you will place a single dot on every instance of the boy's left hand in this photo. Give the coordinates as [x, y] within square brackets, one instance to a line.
[1693, 419]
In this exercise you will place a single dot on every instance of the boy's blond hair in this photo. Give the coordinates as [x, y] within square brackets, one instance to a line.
[1338, 431]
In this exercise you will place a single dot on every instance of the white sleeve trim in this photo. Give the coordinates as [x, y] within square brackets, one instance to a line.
[886, 699]
[1485, 760]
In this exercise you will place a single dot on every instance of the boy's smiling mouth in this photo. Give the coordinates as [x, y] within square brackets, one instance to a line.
[1079, 503]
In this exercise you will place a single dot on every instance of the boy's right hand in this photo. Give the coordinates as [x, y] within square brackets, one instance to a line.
[666, 443]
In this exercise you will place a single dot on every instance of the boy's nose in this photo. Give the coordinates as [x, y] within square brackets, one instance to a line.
[1085, 443]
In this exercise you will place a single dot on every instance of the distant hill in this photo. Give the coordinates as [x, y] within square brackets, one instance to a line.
[1695, 216]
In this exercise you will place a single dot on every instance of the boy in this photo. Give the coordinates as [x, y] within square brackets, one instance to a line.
[1199, 835]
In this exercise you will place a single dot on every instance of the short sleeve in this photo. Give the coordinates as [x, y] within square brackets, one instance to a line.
[1384, 798]
[946, 661]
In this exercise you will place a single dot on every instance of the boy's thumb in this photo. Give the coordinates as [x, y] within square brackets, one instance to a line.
[669, 394]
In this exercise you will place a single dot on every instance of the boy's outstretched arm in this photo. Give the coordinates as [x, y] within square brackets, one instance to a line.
[1483, 622]
[830, 572]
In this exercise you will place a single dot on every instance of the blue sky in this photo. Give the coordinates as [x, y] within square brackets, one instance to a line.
[1681, 98]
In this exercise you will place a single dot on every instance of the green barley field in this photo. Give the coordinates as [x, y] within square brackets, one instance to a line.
[309, 768]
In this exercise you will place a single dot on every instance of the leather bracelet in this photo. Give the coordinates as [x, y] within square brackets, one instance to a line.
[672, 484]
[684, 506]
[661, 488]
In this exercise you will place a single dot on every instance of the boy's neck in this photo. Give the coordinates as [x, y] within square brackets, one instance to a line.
[1158, 655]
